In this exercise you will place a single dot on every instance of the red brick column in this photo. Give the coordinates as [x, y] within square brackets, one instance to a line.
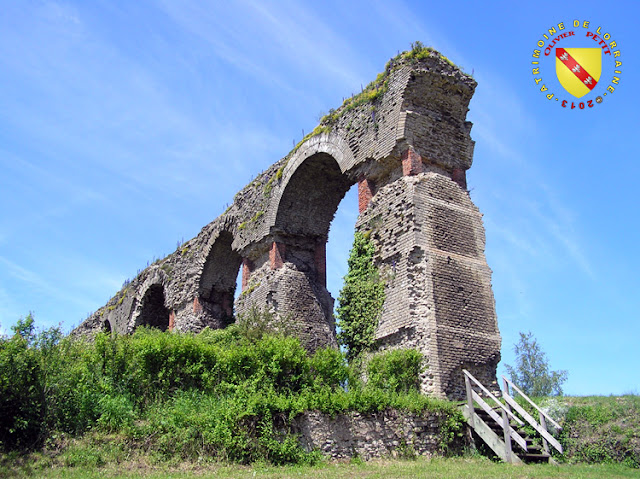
[411, 162]
[197, 307]
[320, 259]
[247, 266]
[365, 193]
[460, 176]
[277, 255]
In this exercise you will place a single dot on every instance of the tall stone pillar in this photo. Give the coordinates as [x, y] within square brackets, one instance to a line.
[430, 240]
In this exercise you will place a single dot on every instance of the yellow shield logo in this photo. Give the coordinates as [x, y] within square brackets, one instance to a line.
[578, 69]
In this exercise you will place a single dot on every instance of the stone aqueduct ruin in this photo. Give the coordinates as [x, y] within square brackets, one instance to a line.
[405, 141]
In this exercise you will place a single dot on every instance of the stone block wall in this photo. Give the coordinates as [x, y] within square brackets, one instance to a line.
[367, 436]
[429, 240]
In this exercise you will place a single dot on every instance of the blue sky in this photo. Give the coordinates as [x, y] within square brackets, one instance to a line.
[125, 127]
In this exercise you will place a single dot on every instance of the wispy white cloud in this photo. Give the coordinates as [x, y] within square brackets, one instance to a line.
[225, 29]
[299, 34]
[559, 222]
[78, 286]
[148, 143]
[35, 283]
[403, 21]
[291, 39]
[528, 211]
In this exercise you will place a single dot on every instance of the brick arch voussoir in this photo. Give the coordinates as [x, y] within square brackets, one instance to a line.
[331, 144]
[157, 281]
[214, 241]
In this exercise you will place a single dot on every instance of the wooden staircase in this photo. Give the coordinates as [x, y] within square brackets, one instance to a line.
[501, 426]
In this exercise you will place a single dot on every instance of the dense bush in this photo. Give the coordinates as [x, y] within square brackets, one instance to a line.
[21, 394]
[228, 394]
[397, 370]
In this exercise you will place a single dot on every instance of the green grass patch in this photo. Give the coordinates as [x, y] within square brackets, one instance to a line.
[436, 468]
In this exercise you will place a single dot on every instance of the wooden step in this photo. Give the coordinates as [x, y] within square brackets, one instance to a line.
[493, 440]
[534, 458]
[488, 419]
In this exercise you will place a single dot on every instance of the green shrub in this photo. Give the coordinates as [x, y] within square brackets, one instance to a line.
[74, 387]
[21, 394]
[116, 412]
[282, 363]
[397, 370]
[329, 368]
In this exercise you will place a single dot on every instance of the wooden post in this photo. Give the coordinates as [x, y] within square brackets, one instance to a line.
[543, 423]
[505, 384]
[469, 398]
[507, 425]
[506, 393]
[507, 436]
[472, 413]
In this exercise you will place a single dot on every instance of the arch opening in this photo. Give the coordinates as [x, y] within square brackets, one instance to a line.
[300, 232]
[218, 283]
[311, 197]
[106, 326]
[306, 210]
[153, 312]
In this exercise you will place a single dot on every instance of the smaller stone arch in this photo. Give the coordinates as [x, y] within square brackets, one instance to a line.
[153, 311]
[106, 326]
[217, 285]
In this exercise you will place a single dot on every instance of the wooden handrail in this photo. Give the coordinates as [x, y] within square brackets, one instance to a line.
[490, 394]
[514, 434]
[504, 449]
[555, 424]
[542, 431]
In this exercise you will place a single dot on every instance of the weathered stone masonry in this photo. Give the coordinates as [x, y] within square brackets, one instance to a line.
[408, 146]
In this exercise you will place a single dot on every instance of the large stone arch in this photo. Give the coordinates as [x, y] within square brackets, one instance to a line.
[305, 210]
[325, 145]
[310, 197]
[314, 182]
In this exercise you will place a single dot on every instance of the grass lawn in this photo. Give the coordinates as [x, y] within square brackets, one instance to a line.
[435, 468]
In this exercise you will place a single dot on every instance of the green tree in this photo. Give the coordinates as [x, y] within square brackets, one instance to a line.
[531, 371]
[26, 329]
[360, 300]
[21, 388]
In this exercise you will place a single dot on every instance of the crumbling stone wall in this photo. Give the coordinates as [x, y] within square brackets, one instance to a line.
[386, 433]
[405, 141]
